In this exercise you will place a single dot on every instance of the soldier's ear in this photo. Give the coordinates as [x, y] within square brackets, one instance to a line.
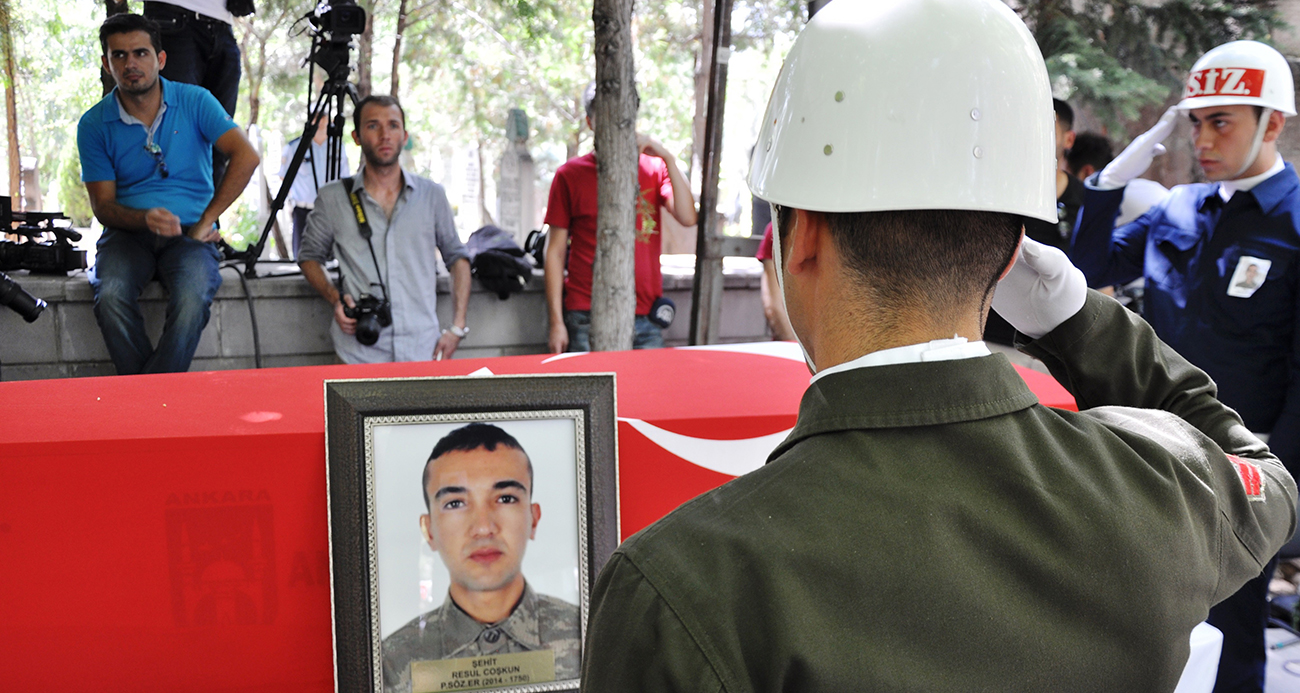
[537, 516]
[1014, 256]
[426, 530]
[1276, 121]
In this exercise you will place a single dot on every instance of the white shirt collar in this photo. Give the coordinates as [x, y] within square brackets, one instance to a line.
[150, 130]
[937, 350]
[1228, 187]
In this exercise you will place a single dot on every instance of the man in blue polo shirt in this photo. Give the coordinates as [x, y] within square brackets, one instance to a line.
[146, 160]
[1196, 250]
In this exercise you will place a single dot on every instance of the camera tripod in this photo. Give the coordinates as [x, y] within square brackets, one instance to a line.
[332, 55]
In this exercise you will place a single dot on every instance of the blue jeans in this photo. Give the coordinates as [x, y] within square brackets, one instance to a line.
[125, 262]
[645, 334]
[203, 52]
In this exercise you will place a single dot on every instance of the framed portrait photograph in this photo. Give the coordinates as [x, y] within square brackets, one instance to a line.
[469, 517]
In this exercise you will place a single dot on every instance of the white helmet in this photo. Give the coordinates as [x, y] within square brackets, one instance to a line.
[1240, 73]
[910, 104]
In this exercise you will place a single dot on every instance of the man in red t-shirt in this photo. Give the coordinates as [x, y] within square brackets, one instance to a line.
[571, 241]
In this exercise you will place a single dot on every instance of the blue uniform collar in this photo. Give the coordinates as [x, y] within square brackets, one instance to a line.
[1269, 194]
[114, 109]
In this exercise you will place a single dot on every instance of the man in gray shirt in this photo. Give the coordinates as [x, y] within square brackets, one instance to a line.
[410, 219]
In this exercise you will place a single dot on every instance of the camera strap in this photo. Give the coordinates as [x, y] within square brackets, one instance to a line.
[357, 209]
[360, 213]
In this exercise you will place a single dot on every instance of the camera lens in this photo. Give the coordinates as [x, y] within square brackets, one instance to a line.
[368, 328]
[24, 303]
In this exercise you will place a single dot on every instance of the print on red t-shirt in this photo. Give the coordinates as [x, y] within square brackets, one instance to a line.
[572, 206]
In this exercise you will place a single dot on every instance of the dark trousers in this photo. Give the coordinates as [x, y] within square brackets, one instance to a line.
[1243, 618]
[203, 51]
[299, 225]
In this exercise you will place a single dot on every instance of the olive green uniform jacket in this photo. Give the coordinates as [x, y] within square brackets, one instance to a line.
[932, 527]
[538, 622]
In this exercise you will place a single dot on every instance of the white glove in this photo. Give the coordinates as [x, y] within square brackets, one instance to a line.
[1041, 291]
[1137, 156]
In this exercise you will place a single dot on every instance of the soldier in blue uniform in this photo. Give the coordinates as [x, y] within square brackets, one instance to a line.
[1196, 250]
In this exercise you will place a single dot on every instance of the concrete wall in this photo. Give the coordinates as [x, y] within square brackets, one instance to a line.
[293, 322]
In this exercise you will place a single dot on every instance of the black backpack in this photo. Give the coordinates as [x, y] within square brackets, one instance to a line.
[497, 261]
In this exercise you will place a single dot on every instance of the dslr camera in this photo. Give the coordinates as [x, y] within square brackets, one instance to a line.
[371, 314]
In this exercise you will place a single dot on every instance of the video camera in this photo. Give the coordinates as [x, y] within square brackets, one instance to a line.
[335, 24]
[340, 21]
[55, 256]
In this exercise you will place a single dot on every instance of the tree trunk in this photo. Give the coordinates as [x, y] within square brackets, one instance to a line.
[253, 72]
[702, 57]
[613, 284]
[11, 104]
[706, 291]
[365, 52]
[395, 84]
[255, 84]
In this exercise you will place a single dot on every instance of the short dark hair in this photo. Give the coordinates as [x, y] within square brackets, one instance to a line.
[1064, 114]
[126, 23]
[379, 100]
[472, 437]
[1089, 149]
[934, 258]
[589, 98]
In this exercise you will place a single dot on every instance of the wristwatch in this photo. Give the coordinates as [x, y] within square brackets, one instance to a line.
[460, 332]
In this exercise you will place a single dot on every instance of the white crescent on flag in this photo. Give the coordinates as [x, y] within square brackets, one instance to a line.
[782, 350]
[730, 457]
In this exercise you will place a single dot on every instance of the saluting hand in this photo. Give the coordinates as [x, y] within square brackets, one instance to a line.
[1137, 157]
[1040, 291]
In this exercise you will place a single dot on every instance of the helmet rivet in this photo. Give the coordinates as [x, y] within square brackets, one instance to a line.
[826, 150]
[769, 144]
[839, 96]
[974, 114]
[979, 152]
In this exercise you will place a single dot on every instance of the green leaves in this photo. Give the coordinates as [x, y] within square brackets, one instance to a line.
[1120, 56]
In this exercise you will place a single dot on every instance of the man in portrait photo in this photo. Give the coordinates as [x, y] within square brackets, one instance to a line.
[1251, 278]
[480, 516]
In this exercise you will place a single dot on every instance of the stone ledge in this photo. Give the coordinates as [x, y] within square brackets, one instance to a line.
[293, 322]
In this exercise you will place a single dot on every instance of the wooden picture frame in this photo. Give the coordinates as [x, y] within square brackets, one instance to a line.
[384, 571]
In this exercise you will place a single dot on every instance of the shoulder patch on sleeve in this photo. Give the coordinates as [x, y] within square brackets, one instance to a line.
[1251, 478]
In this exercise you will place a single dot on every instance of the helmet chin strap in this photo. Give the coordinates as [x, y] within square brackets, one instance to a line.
[780, 283]
[1256, 145]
